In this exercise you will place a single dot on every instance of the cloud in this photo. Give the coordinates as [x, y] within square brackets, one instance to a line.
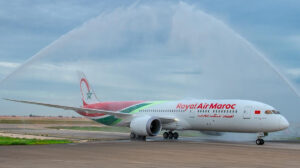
[294, 40]
[294, 73]
[186, 72]
[155, 51]
[9, 64]
[7, 67]
[29, 25]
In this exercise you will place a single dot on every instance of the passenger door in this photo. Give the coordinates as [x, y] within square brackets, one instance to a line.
[247, 112]
[192, 113]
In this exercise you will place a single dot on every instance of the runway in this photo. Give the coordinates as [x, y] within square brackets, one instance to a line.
[112, 149]
[148, 154]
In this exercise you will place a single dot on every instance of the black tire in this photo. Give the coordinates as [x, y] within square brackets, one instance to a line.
[166, 135]
[132, 136]
[140, 138]
[175, 135]
[171, 135]
[262, 142]
[258, 142]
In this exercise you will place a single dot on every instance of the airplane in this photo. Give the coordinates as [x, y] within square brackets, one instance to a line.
[149, 118]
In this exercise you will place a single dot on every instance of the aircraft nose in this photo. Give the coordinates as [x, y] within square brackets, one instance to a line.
[284, 124]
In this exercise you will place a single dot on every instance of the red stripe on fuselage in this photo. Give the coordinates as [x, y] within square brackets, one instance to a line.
[108, 106]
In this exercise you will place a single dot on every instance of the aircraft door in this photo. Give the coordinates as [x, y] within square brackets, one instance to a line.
[192, 113]
[247, 112]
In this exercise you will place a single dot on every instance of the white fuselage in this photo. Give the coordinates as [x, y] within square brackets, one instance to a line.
[218, 115]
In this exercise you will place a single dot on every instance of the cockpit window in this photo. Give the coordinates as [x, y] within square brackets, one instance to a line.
[272, 112]
[275, 112]
[268, 112]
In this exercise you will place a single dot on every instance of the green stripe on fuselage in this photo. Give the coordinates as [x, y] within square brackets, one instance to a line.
[111, 120]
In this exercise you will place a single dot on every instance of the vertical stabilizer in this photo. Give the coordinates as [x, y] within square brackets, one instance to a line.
[87, 92]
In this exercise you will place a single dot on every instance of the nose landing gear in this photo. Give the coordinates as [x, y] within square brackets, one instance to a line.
[259, 140]
[170, 135]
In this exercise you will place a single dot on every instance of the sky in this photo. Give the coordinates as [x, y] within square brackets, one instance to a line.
[154, 50]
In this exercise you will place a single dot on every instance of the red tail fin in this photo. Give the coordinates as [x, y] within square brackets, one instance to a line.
[87, 93]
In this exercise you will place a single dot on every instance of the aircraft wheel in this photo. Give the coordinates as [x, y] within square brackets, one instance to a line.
[257, 142]
[132, 136]
[171, 135]
[175, 135]
[260, 142]
[166, 135]
[141, 138]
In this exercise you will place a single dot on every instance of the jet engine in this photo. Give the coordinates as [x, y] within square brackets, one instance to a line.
[145, 126]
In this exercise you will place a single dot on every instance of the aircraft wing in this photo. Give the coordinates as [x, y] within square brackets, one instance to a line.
[164, 120]
[87, 110]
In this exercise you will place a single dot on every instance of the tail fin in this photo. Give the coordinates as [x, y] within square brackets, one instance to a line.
[87, 92]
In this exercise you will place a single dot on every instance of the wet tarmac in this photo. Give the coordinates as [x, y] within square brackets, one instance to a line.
[108, 149]
[149, 154]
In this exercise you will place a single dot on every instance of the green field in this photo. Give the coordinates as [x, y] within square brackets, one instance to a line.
[23, 141]
[296, 139]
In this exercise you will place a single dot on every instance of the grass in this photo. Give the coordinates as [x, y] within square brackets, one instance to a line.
[294, 139]
[23, 141]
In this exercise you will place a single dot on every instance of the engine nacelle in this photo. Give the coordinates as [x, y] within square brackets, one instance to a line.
[145, 126]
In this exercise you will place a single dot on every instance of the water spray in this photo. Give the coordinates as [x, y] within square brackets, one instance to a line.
[65, 37]
[272, 66]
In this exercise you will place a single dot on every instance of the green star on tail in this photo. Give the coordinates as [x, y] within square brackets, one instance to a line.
[89, 95]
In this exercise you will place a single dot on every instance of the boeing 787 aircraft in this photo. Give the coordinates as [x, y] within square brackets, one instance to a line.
[148, 118]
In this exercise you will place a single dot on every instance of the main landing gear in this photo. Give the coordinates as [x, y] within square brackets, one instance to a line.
[259, 140]
[170, 135]
[135, 137]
